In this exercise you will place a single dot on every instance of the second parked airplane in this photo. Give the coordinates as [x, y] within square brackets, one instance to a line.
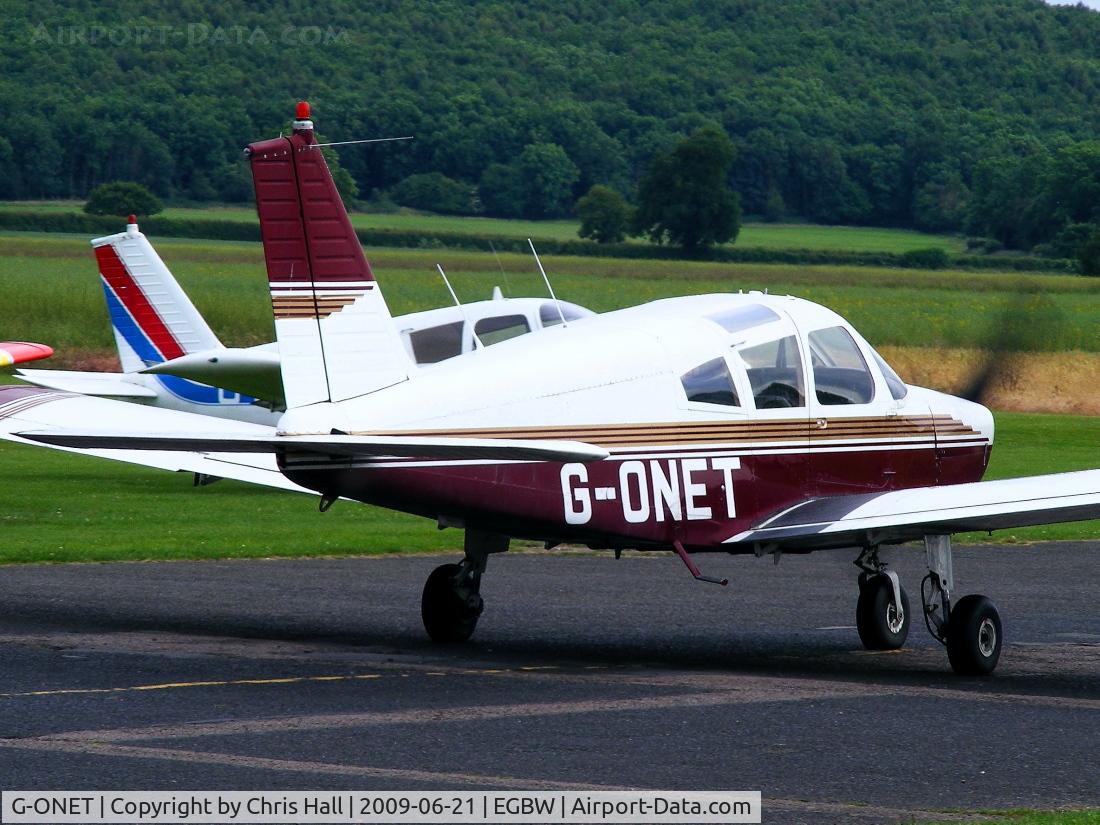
[171, 358]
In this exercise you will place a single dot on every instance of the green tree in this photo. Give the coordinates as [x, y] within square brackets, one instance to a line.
[434, 192]
[1073, 182]
[500, 191]
[122, 198]
[345, 183]
[546, 176]
[605, 215]
[684, 197]
[774, 207]
[1089, 256]
[940, 204]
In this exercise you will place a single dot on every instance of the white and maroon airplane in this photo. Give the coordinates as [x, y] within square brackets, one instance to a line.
[171, 358]
[720, 423]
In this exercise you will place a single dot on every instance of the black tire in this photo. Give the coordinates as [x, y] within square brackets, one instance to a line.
[974, 636]
[447, 618]
[876, 616]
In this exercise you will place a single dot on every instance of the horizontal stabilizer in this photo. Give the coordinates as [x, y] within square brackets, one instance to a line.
[328, 445]
[102, 384]
[906, 515]
[31, 408]
[253, 372]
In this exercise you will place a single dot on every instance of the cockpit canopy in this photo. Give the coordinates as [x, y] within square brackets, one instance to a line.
[773, 358]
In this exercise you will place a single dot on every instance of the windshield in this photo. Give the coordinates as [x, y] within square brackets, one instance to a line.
[897, 387]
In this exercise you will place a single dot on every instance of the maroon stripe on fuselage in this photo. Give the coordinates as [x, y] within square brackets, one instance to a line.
[530, 499]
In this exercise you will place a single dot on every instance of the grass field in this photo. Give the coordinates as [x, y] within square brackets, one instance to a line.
[1037, 818]
[51, 292]
[763, 235]
[62, 507]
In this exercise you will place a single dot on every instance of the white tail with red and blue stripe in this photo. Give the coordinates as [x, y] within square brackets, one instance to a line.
[153, 319]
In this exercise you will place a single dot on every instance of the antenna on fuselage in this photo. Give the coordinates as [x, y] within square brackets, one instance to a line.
[546, 280]
[500, 266]
[461, 309]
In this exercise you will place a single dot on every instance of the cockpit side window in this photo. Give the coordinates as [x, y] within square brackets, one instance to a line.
[497, 328]
[897, 387]
[775, 373]
[435, 344]
[710, 383]
[840, 372]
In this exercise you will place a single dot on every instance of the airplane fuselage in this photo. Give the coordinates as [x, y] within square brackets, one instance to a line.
[697, 471]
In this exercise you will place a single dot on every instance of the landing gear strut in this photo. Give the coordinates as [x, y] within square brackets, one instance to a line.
[971, 629]
[451, 603]
[882, 611]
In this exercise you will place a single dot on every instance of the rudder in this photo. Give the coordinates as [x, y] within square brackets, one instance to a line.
[336, 337]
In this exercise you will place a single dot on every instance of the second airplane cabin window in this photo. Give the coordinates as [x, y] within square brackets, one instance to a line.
[775, 372]
[499, 328]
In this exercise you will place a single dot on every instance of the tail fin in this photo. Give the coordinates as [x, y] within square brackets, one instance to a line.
[152, 316]
[336, 337]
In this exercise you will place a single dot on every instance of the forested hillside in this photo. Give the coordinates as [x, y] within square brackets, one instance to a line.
[855, 111]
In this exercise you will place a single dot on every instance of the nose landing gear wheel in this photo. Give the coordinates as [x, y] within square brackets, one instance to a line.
[974, 636]
[880, 625]
[450, 612]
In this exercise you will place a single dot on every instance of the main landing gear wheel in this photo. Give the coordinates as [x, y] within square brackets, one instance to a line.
[450, 612]
[881, 626]
[974, 636]
[970, 628]
[451, 603]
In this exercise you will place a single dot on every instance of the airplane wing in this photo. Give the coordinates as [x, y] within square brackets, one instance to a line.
[337, 444]
[31, 408]
[102, 384]
[254, 372]
[907, 515]
[19, 352]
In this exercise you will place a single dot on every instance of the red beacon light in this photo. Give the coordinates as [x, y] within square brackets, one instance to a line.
[302, 123]
[132, 219]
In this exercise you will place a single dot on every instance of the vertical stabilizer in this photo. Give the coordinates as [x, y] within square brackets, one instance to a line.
[152, 317]
[336, 337]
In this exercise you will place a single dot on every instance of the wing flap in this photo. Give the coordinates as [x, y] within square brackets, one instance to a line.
[906, 515]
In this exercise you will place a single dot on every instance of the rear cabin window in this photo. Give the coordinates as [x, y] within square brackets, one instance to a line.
[549, 315]
[710, 383]
[775, 373]
[436, 344]
[500, 328]
[840, 373]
